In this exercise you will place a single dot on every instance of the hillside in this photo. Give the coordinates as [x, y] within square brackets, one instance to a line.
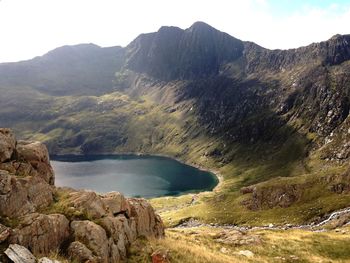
[274, 123]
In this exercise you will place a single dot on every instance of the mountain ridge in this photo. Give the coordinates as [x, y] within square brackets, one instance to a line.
[263, 118]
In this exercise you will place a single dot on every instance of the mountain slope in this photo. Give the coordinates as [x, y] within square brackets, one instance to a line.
[69, 70]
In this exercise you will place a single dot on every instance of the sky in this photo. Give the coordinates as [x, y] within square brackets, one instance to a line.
[29, 28]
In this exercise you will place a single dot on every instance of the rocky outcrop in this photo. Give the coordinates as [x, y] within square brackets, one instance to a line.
[94, 237]
[274, 195]
[120, 222]
[36, 154]
[146, 223]
[86, 226]
[41, 233]
[339, 184]
[22, 195]
[24, 158]
[79, 252]
[7, 144]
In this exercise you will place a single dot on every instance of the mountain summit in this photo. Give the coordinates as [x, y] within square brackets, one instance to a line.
[174, 53]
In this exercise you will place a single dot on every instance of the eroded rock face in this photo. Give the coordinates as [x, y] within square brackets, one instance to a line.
[121, 230]
[26, 176]
[41, 233]
[96, 206]
[147, 223]
[7, 144]
[94, 236]
[22, 195]
[272, 196]
[87, 202]
[28, 159]
[79, 252]
[116, 203]
[339, 184]
[120, 220]
[37, 155]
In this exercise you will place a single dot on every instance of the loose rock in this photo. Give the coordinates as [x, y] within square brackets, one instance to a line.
[19, 254]
[246, 253]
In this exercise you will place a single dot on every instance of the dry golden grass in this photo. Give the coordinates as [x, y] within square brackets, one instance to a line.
[201, 245]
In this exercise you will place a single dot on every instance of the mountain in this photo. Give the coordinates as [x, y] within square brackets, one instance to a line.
[68, 70]
[274, 123]
[173, 53]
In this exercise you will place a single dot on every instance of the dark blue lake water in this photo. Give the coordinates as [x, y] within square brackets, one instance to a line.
[133, 175]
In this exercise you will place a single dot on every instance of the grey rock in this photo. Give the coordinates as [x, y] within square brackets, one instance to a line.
[19, 254]
[7, 144]
[47, 260]
[41, 233]
[79, 252]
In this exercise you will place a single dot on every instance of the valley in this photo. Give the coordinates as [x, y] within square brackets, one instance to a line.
[274, 124]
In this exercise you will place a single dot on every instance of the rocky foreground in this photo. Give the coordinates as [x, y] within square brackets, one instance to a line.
[38, 218]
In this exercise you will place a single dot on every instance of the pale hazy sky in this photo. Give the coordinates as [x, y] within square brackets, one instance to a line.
[32, 27]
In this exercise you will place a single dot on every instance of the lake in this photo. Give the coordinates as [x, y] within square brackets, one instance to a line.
[132, 175]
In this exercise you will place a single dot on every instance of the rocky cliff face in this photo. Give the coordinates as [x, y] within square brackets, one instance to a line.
[83, 225]
[173, 53]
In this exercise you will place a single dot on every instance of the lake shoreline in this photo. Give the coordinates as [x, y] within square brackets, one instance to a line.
[216, 174]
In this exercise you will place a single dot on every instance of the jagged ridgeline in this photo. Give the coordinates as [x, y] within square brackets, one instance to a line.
[274, 123]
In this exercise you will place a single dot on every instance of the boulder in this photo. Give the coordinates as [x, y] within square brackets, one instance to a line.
[7, 144]
[148, 223]
[41, 233]
[92, 236]
[79, 252]
[87, 202]
[121, 230]
[246, 253]
[116, 203]
[237, 238]
[20, 196]
[97, 206]
[37, 155]
[19, 254]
